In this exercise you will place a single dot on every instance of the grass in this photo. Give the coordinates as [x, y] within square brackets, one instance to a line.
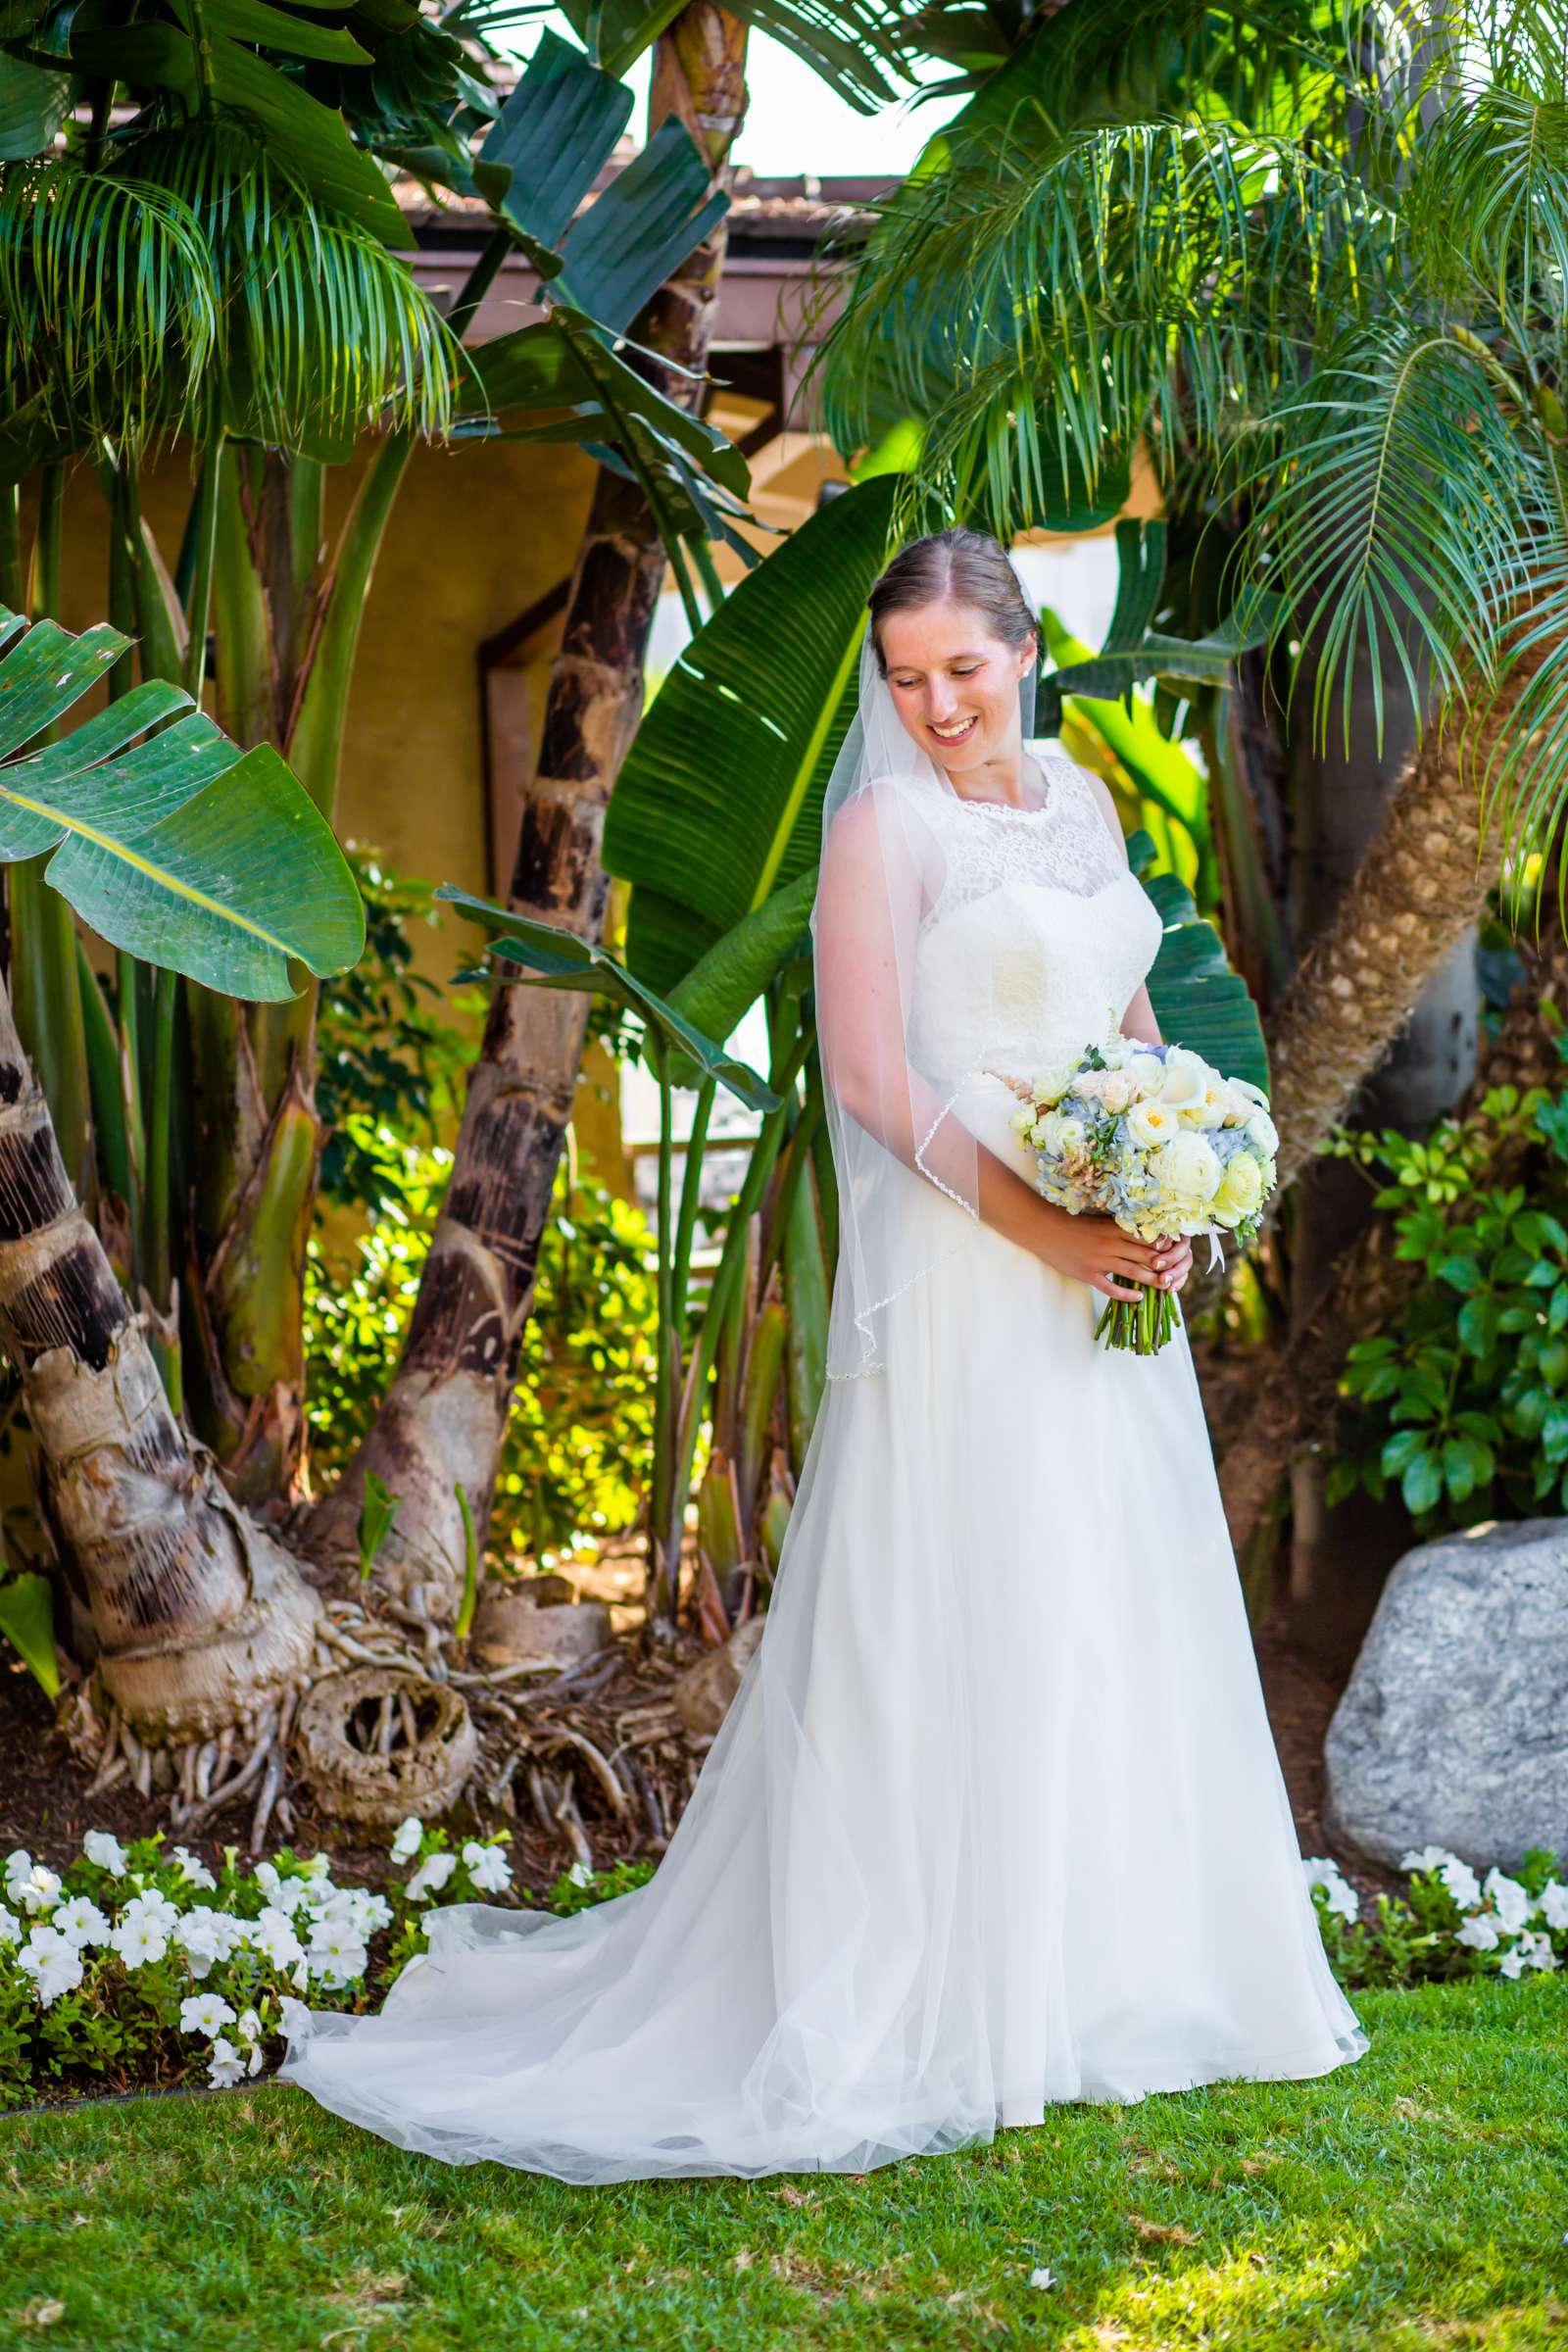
[1417, 2198]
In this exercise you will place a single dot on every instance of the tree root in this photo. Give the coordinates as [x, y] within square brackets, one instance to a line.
[591, 1759]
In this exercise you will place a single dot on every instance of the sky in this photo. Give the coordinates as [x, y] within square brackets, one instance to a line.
[794, 123]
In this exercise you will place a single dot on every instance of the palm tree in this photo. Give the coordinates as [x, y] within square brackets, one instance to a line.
[270, 321]
[442, 1420]
[1263, 249]
[156, 830]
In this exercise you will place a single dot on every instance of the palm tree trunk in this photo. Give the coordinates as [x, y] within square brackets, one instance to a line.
[442, 1420]
[1420, 888]
[1294, 1406]
[201, 1620]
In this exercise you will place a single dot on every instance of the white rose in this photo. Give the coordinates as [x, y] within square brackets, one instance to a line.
[1261, 1131]
[1060, 1134]
[1251, 1095]
[1146, 1071]
[1189, 1169]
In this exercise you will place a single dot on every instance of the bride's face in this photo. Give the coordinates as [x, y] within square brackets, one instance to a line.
[955, 683]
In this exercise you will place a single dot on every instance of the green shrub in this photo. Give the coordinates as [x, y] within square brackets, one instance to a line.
[1461, 1405]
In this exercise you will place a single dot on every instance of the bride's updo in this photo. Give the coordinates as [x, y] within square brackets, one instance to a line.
[955, 567]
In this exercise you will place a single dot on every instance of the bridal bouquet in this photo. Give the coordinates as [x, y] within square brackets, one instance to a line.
[1155, 1138]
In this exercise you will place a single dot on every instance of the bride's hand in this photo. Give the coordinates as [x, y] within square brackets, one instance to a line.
[1096, 1251]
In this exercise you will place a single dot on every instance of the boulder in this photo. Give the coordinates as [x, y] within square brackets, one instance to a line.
[703, 1694]
[1453, 1727]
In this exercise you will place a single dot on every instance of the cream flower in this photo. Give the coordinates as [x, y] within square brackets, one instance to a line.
[1185, 1080]
[1188, 1170]
[1240, 1188]
[1151, 1123]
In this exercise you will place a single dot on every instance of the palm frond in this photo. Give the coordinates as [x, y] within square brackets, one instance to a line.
[326, 334]
[1161, 265]
[109, 300]
[1385, 515]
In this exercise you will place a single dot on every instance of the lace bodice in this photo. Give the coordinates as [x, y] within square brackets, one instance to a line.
[1038, 936]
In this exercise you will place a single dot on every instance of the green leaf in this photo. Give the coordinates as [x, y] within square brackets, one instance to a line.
[719, 802]
[641, 228]
[723, 985]
[177, 846]
[558, 958]
[1460, 1273]
[1401, 1450]
[1422, 1484]
[551, 137]
[1198, 1001]
[27, 1620]
[33, 103]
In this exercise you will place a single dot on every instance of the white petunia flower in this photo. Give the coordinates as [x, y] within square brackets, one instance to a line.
[205, 2013]
[193, 1871]
[273, 1936]
[487, 1866]
[140, 1942]
[1513, 1903]
[294, 2018]
[107, 1851]
[1461, 1881]
[10, 1926]
[227, 2067]
[1553, 1905]
[35, 1889]
[53, 1962]
[357, 1909]
[153, 1908]
[580, 1875]
[430, 1877]
[1479, 1933]
[267, 1880]
[1342, 1897]
[1513, 1963]
[406, 1844]
[81, 1922]
[319, 1868]
[1535, 1951]
[248, 2026]
[336, 1955]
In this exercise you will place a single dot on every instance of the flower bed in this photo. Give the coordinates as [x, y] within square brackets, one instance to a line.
[136, 1967]
[1453, 1924]
[139, 1968]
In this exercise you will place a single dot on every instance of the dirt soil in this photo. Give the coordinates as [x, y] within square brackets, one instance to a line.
[44, 1805]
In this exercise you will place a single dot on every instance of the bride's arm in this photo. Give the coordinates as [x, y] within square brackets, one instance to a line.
[862, 942]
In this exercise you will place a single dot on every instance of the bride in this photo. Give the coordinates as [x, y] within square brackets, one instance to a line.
[995, 1818]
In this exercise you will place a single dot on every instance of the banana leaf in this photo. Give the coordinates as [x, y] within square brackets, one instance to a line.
[719, 804]
[179, 846]
[558, 958]
[1198, 1000]
[549, 143]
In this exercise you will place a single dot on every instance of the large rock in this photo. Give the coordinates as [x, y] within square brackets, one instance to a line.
[1453, 1727]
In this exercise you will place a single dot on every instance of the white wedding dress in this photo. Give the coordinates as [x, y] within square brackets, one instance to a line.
[996, 1819]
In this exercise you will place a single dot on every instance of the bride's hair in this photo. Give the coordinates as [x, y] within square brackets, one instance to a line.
[956, 567]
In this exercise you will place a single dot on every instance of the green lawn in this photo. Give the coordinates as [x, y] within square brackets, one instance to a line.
[1418, 2198]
